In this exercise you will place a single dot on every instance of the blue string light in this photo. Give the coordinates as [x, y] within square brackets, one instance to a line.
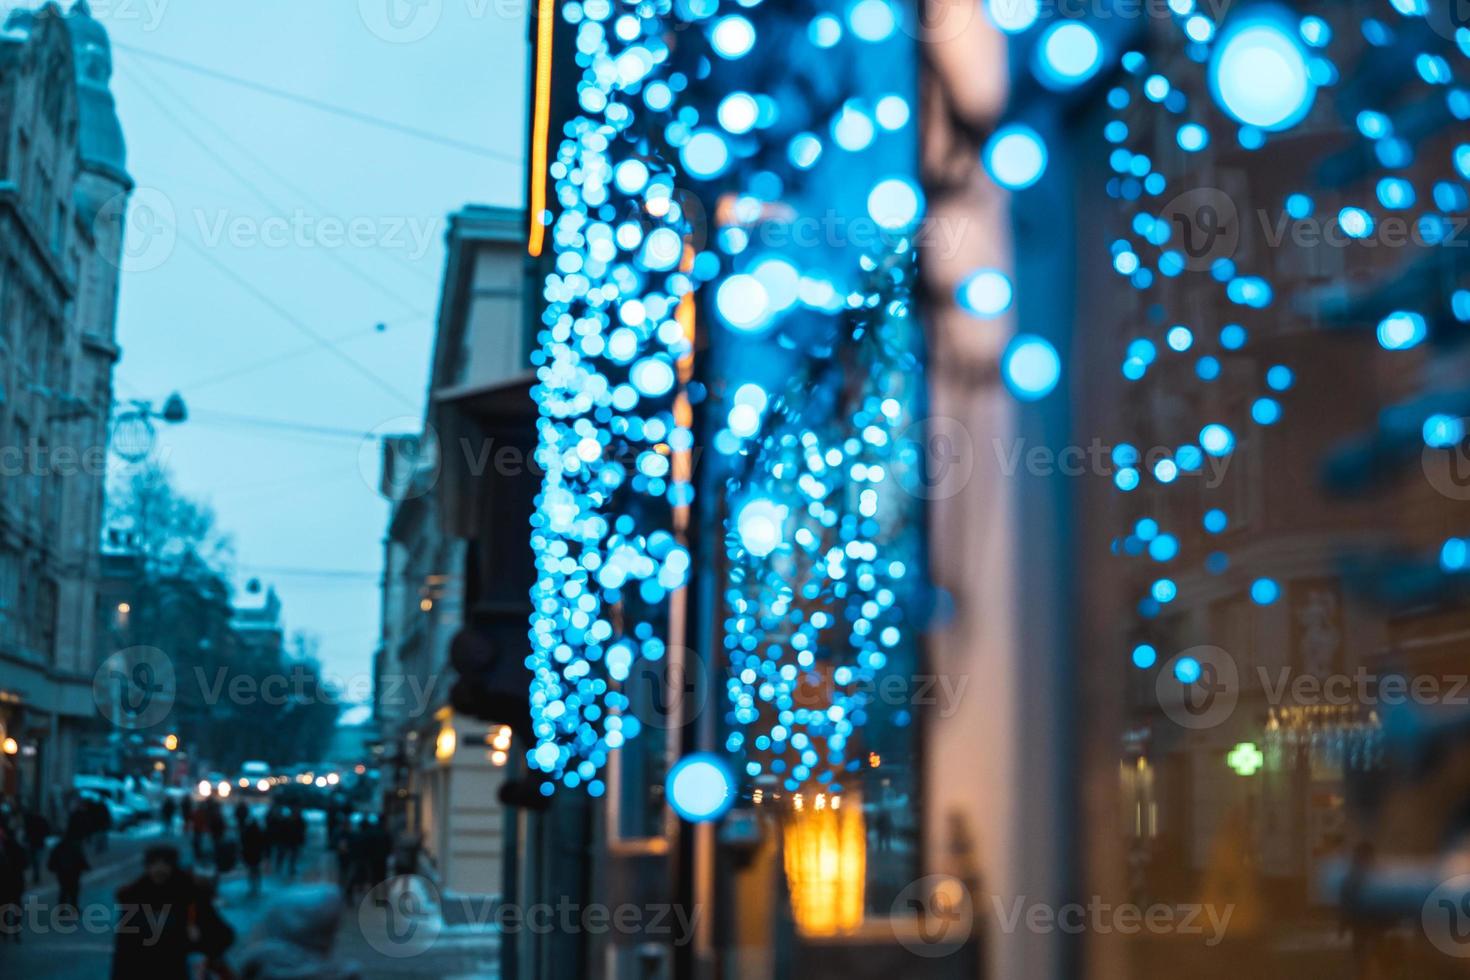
[605, 382]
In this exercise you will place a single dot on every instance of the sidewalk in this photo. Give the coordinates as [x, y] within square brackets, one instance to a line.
[413, 946]
[58, 947]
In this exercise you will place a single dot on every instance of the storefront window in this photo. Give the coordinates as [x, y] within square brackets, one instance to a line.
[1266, 545]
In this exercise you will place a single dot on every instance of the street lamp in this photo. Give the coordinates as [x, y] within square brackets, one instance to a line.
[132, 428]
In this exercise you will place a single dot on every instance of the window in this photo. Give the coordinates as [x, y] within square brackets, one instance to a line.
[10, 611]
[58, 229]
[46, 609]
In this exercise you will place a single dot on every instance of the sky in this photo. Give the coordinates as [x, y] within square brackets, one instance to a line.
[259, 221]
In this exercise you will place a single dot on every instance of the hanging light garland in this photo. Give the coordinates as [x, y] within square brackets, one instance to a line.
[607, 381]
[817, 362]
[1266, 68]
[821, 555]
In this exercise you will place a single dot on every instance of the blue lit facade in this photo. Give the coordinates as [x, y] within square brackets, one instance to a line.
[742, 266]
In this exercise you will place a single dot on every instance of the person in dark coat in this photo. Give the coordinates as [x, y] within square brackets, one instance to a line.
[215, 936]
[375, 847]
[349, 867]
[295, 838]
[252, 852]
[242, 813]
[37, 829]
[275, 837]
[157, 920]
[13, 864]
[102, 817]
[168, 814]
[197, 824]
[216, 812]
[76, 820]
[68, 862]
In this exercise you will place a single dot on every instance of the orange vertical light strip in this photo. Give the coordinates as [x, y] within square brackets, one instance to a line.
[541, 124]
[683, 462]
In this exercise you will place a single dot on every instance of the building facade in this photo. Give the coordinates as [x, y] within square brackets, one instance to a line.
[63, 193]
[445, 576]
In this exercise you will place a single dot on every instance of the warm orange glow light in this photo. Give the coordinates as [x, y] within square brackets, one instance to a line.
[541, 124]
[445, 744]
[826, 866]
[10, 746]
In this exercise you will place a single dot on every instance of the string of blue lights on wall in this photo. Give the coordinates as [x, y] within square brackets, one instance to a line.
[606, 381]
[1255, 75]
[811, 164]
[768, 118]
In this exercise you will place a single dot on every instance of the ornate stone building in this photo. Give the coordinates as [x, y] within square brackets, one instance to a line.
[63, 197]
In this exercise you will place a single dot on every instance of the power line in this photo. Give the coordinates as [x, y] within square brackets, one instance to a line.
[296, 322]
[300, 572]
[280, 178]
[258, 421]
[272, 359]
[323, 106]
[229, 168]
[235, 490]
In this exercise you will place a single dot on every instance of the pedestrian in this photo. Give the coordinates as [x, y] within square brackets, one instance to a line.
[252, 852]
[226, 854]
[213, 935]
[348, 873]
[295, 834]
[198, 821]
[296, 939]
[375, 848]
[76, 819]
[101, 824]
[186, 811]
[168, 814]
[68, 862]
[216, 814]
[157, 920]
[37, 829]
[13, 864]
[242, 813]
[275, 837]
[334, 823]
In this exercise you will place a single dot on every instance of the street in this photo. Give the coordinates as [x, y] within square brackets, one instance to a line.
[723, 489]
[56, 945]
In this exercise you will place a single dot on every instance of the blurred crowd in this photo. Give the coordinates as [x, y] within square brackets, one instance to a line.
[166, 923]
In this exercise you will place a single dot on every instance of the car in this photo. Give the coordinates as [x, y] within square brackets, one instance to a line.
[126, 806]
[122, 817]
